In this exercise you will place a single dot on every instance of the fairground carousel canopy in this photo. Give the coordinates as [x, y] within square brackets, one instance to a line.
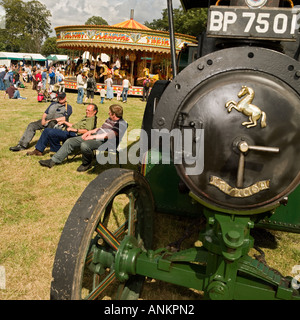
[138, 49]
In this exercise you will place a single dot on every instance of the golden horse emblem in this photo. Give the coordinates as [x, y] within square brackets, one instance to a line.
[247, 108]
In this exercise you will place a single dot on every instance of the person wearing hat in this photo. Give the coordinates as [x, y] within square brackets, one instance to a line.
[56, 112]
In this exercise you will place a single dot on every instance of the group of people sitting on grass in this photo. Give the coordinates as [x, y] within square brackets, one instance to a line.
[66, 138]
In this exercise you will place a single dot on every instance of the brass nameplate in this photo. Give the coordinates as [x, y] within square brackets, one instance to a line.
[239, 193]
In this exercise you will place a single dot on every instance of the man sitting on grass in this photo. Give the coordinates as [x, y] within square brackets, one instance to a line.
[55, 136]
[58, 111]
[113, 128]
[13, 93]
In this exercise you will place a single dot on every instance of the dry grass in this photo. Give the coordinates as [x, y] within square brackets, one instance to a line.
[35, 203]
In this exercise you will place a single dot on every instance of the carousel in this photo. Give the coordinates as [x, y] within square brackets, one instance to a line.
[134, 51]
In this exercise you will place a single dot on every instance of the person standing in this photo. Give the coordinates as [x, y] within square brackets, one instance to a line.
[16, 78]
[51, 78]
[34, 79]
[44, 79]
[126, 85]
[38, 78]
[80, 88]
[8, 79]
[109, 87]
[61, 81]
[102, 94]
[29, 73]
[146, 87]
[91, 87]
[119, 92]
[3, 71]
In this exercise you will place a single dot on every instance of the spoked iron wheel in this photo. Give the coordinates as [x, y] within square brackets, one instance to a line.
[118, 203]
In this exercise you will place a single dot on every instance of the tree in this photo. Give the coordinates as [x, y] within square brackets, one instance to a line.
[14, 12]
[37, 25]
[192, 22]
[49, 47]
[96, 20]
[26, 25]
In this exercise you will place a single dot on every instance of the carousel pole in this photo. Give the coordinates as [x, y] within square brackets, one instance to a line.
[172, 37]
[132, 58]
[131, 72]
[151, 64]
[72, 63]
[94, 55]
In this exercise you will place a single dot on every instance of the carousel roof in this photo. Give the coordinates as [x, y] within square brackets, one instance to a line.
[131, 24]
[129, 35]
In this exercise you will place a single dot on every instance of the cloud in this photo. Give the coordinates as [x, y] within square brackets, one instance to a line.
[76, 12]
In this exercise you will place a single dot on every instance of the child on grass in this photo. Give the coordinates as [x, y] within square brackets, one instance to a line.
[102, 94]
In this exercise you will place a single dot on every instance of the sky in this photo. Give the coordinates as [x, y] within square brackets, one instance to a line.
[76, 12]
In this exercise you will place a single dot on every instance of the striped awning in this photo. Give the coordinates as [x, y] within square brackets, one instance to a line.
[131, 24]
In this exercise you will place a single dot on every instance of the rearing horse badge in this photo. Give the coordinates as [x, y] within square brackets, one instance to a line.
[250, 110]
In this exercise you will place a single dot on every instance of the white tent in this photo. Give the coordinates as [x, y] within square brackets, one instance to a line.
[7, 57]
[58, 57]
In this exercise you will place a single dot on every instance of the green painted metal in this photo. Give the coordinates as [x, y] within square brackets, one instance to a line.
[226, 235]
[221, 267]
[286, 217]
[164, 182]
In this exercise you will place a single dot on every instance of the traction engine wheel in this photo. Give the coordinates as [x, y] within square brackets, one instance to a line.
[116, 204]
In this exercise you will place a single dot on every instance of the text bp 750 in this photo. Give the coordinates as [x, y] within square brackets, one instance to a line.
[263, 23]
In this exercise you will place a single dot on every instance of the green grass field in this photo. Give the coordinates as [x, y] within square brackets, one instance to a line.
[36, 201]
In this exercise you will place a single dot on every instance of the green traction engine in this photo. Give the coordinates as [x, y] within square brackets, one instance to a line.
[220, 142]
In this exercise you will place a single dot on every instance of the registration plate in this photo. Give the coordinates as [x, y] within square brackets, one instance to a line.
[263, 23]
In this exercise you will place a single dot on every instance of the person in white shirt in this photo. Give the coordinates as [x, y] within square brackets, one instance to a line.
[80, 88]
[126, 85]
[61, 81]
[109, 86]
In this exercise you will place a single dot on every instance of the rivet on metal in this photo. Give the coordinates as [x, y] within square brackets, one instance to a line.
[161, 121]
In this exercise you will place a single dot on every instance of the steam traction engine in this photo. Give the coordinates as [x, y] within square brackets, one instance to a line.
[239, 168]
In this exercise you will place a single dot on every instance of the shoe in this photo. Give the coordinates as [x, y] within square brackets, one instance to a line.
[17, 148]
[47, 163]
[35, 152]
[83, 168]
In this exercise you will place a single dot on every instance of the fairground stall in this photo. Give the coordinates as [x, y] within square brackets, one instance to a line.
[134, 50]
[19, 58]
